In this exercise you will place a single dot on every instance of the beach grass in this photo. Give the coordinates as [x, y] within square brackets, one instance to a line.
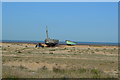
[20, 61]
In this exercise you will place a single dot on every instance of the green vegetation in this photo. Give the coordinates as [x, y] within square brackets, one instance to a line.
[4, 48]
[22, 67]
[96, 73]
[68, 62]
[44, 68]
[51, 53]
[58, 70]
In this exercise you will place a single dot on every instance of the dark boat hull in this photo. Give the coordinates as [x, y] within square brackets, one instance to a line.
[51, 42]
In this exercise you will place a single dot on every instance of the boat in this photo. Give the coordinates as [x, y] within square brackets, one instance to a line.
[68, 42]
[50, 42]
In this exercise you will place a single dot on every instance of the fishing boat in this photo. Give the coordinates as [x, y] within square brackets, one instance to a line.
[50, 42]
[68, 42]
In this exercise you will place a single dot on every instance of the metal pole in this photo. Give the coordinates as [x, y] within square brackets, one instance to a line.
[47, 32]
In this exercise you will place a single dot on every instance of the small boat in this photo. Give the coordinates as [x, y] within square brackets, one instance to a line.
[68, 42]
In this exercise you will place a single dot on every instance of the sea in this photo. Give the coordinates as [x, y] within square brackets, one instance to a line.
[61, 42]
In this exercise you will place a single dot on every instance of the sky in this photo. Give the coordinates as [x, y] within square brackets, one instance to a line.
[75, 21]
[0, 21]
[60, 0]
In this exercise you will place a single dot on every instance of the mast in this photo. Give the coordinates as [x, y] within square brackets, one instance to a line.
[47, 32]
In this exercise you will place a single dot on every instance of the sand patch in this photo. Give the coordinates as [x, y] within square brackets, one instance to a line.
[34, 66]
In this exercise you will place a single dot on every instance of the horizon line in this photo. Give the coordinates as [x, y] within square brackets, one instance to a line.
[64, 41]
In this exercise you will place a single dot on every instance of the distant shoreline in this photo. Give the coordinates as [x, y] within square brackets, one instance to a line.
[61, 43]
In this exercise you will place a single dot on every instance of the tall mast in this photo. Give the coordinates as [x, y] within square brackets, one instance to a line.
[47, 32]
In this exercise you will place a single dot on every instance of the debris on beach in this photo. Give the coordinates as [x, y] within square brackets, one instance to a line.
[39, 45]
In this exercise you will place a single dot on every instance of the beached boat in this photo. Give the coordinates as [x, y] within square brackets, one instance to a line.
[68, 42]
[50, 42]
